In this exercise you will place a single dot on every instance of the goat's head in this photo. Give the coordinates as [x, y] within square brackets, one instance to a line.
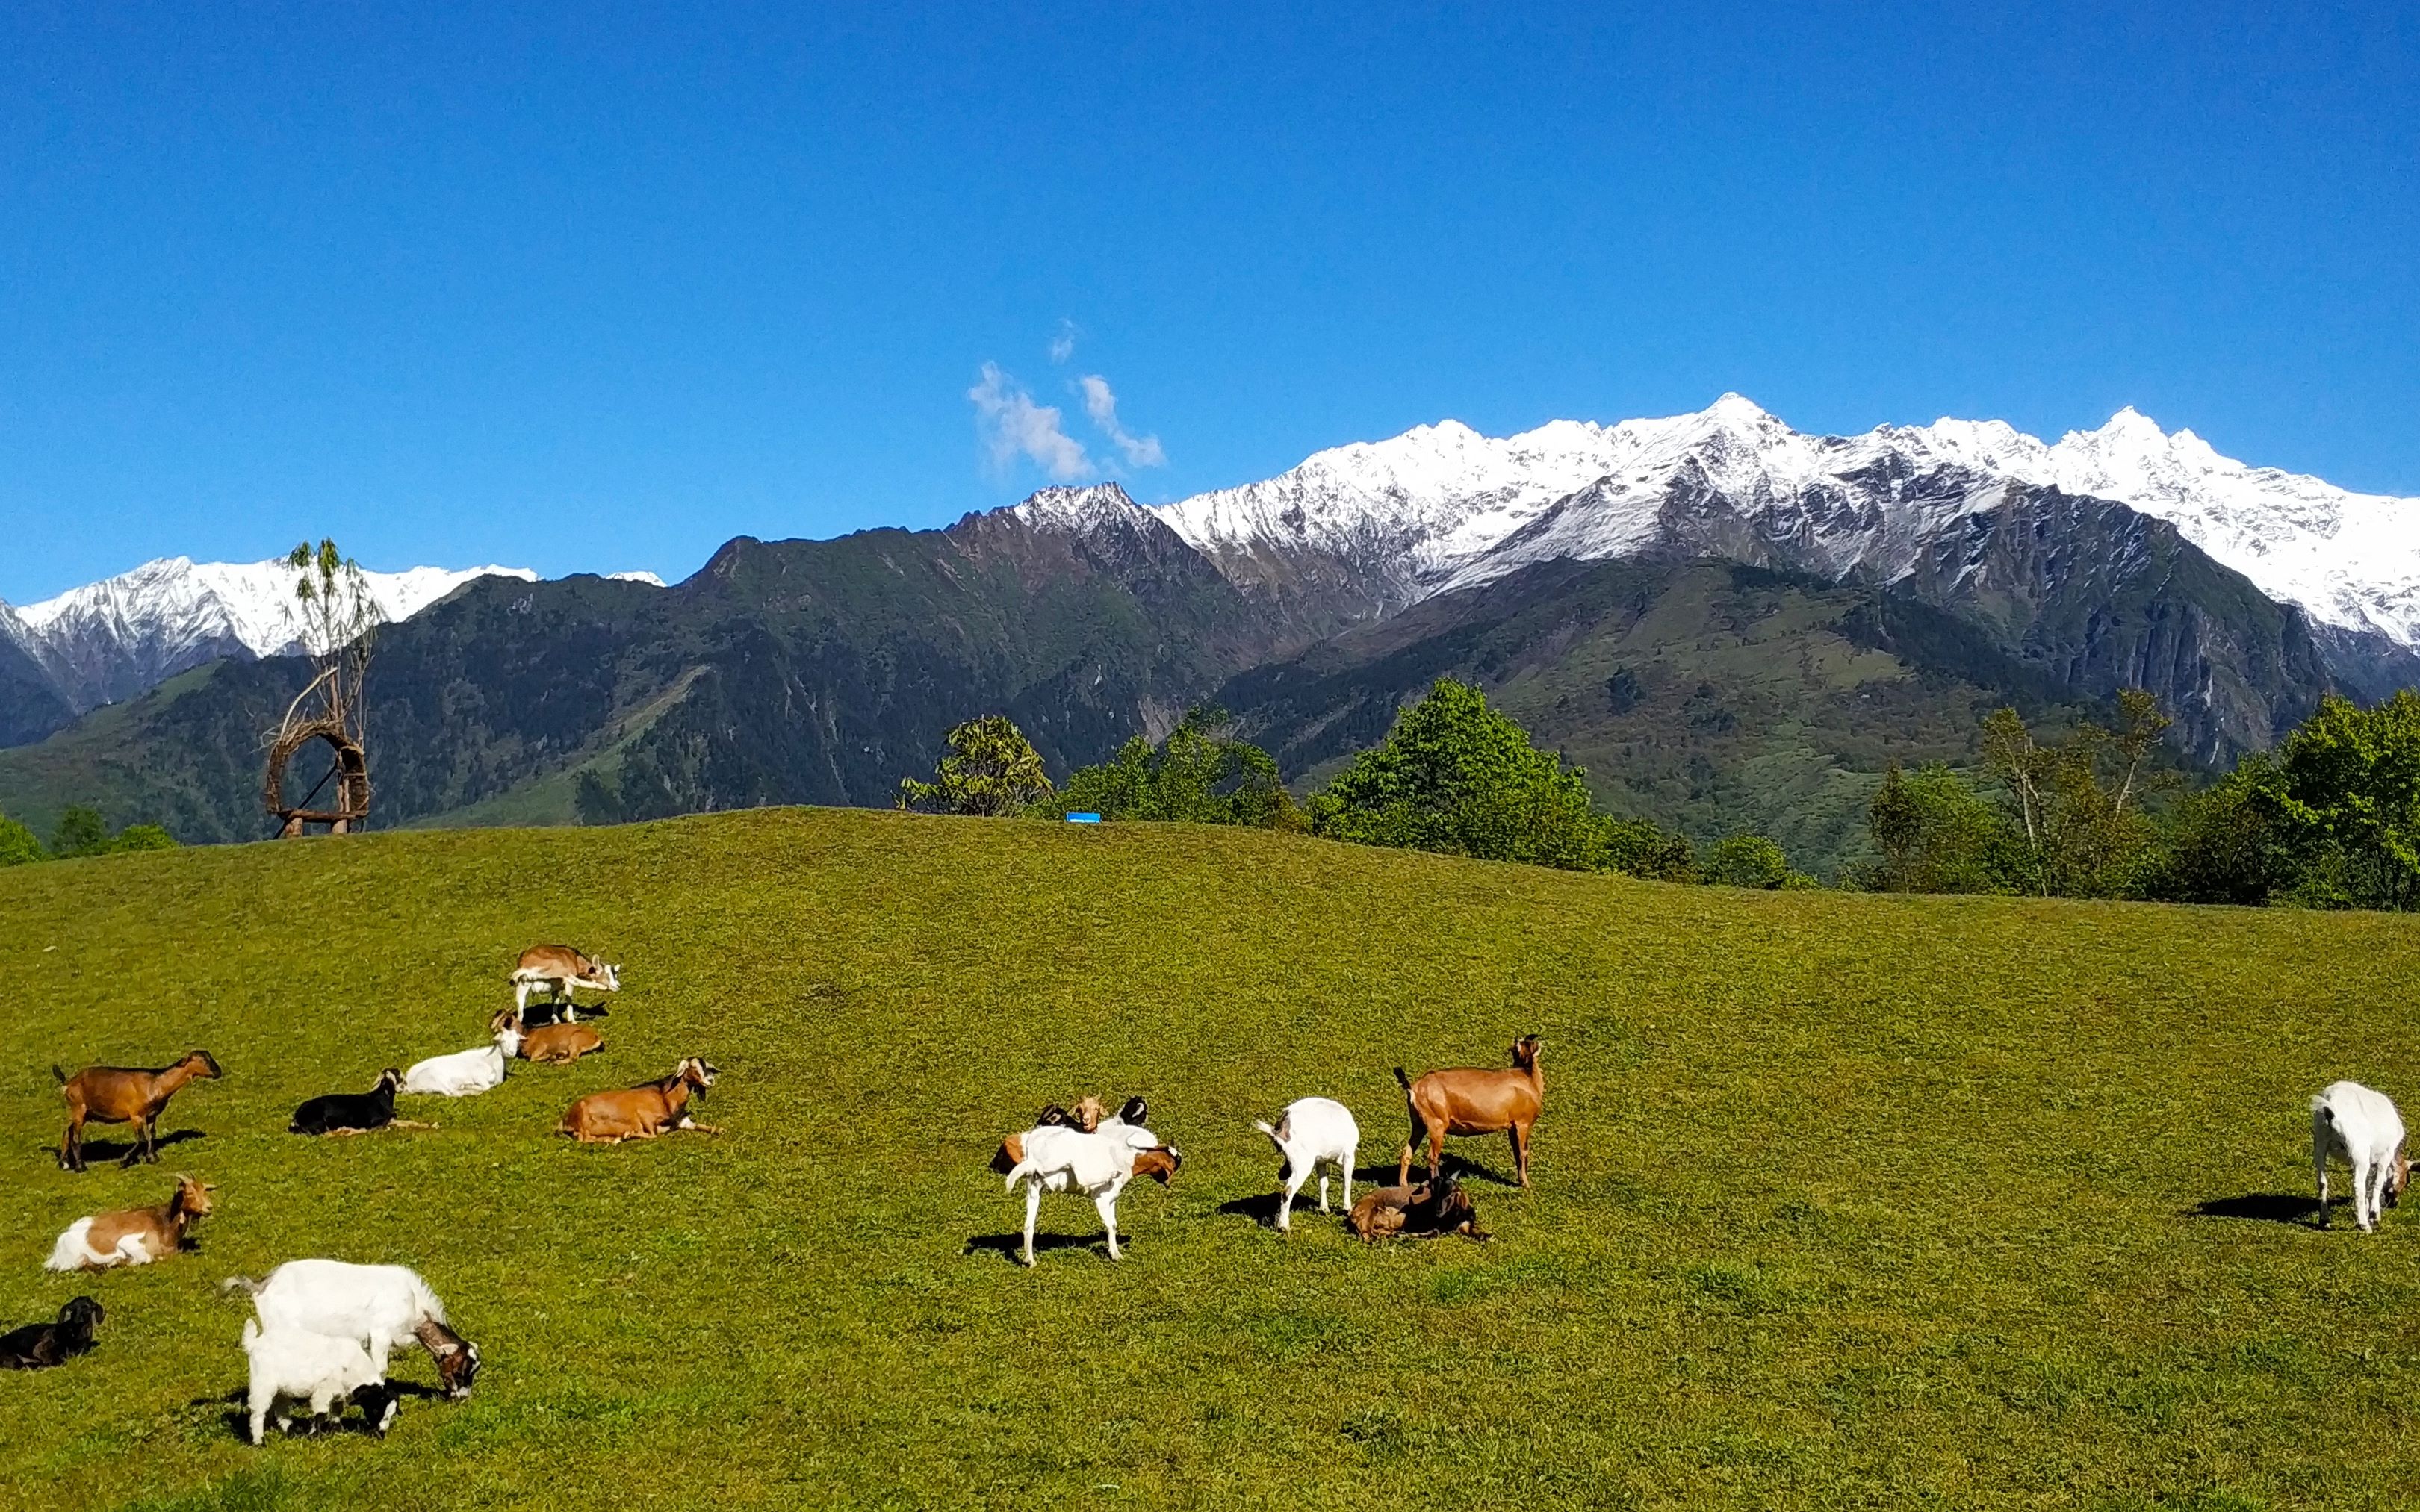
[1135, 1111]
[193, 1198]
[1088, 1113]
[459, 1367]
[2398, 1175]
[1053, 1116]
[201, 1064]
[388, 1081]
[1159, 1162]
[609, 978]
[694, 1070]
[510, 1018]
[1524, 1052]
[80, 1314]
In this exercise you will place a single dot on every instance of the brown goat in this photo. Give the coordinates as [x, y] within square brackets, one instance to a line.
[644, 1111]
[116, 1094]
[561, 1043]
[132, 1236]
[1423, 1211]
[1470, 1101]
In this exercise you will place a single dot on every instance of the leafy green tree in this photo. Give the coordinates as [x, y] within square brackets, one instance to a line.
[2343, 791]
[1458, 776]
[2223, 845]
[81, 832]
[991, 769]
[1750, 861]
[1201, 774]
[1937, 834]
[18, 844]
[2078, 806]
[142, 838]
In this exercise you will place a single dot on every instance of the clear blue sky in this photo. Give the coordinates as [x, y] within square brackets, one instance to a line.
[596, 287]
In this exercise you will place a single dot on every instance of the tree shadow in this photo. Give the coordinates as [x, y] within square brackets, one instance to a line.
[1011, 1247]
[2262, 1207]
[98, 1150]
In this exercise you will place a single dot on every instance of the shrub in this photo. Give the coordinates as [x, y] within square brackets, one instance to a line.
[991, 769]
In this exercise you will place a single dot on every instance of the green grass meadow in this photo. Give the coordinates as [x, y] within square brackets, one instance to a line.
[1842, 1200]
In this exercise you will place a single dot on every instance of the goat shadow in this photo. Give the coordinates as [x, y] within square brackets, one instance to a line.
[98, 1150]
[1460, 1166]
[2263, 1206]
[1011, 1247]
[237, 1418]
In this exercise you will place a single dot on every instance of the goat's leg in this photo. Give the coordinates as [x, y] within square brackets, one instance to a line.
[1107, 1207]
[1349, 1161]
[1436, 1150]
[1289, 1187]
[1521, 1154]
[2359, 1195]
[72, 1145]
[261, 1402]
[1033, 1211]
[2319, 1174]
[1322, 1189]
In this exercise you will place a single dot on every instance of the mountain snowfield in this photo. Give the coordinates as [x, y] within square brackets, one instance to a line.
[1442, 506]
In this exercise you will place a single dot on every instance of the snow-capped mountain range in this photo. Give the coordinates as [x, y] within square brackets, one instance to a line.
[1442, 508]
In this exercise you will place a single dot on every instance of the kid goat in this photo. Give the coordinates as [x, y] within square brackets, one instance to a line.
[1313, 1133]
[374, 1307]
[559, 968]
[117, 1094]
[131, 1235]
[315, 1369]
[2359, 1126]
[1469, 1101]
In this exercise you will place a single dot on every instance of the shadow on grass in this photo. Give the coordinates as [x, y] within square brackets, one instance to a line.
[1011, 1247]
[1461, 1167]
[2263, 1206]
[236, 1416]
[98, 1150]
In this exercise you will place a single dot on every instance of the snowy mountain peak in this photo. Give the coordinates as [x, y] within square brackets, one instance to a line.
[1080, 509]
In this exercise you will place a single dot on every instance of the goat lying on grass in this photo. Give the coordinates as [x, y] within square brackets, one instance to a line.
[1474, 1101]
[117, 1094]
[1313, 1133]
[1435, 1208]
[2359, 1126]
[347, 1113]
[131, 1235]
[376, 1306]
[644, 1111]
[315, 1369]
[41, 1346]
[559, 1043]
[469, 1072]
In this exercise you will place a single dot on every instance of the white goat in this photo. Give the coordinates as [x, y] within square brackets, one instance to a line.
[377, 1307]
[1058, 1158]
[1313, 1133]
[313, 1367]
[468, 1072]
[2352, 1123]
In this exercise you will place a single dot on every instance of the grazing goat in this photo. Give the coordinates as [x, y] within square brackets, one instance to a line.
[1435, 1207]
[1098, 1164]
[115, 1094]
[2359, 1126]
[560, 1043]
[131, 1235]
[644, 1111]
[559, 968]
[345, 1112]
[1313, 1133]
[315, 1369]
[377, 1307]
[41, 1346]
[468, 1072]
[1470, 1101]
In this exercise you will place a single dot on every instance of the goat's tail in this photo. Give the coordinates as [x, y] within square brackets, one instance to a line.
[251, 1331]
[245, 1284]
[58, 1074]
[1275, 1138]
[1401, 1077]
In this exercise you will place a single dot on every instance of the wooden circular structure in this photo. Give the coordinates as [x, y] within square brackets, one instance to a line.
[350, 772]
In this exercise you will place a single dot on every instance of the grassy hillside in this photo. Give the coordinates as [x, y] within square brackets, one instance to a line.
[1842, 1200]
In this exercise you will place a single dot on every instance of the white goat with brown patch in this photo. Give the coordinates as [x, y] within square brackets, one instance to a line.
[559, 968]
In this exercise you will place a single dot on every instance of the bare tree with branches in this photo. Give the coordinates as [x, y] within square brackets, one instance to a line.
[335, 620]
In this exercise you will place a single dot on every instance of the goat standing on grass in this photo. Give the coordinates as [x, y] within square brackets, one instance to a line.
[468, 1072]
[116, 1094]
[2359, 1126]
[131, 1235]
[1313, 1133]
[1063, 1158]
[375, 1307]
[313, 1368]
[559, 968]
[1470, 1101]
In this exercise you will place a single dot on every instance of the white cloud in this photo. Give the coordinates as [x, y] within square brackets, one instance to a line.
[1062, 345]
[1102, 405]
[1012, 426]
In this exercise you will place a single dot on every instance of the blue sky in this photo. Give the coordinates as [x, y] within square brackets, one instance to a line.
[597, 287]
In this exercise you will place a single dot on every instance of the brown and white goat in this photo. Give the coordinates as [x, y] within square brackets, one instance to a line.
[1474, 1101]
[559, 968]
[117, 1094]
[644, 1111]
[131, 1235]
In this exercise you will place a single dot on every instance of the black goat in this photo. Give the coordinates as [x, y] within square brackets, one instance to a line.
[353, 1112]
[40, 1345]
